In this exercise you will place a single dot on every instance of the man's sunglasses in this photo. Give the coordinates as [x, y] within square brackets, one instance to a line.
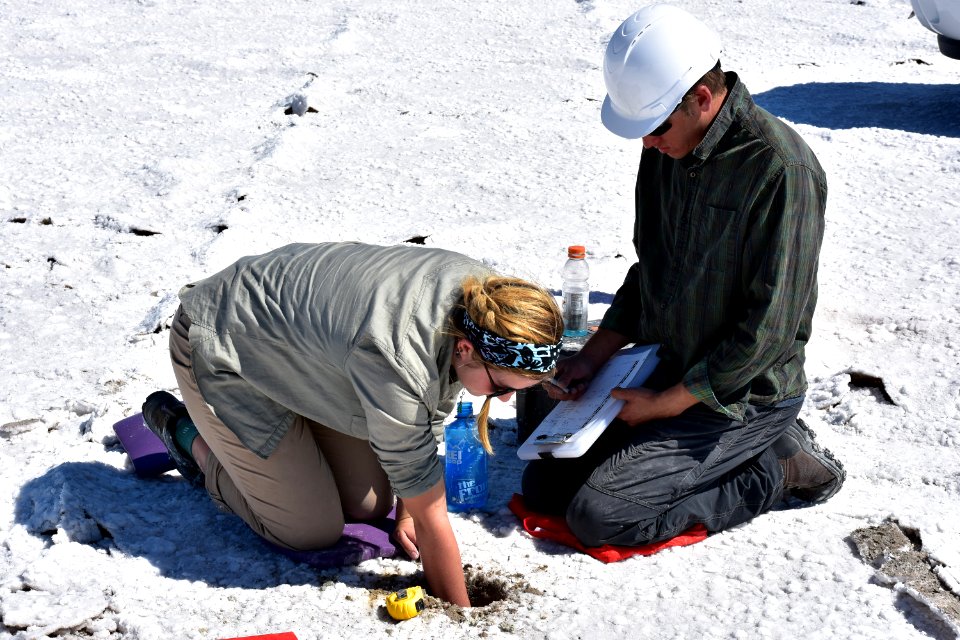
[662, 129]
[497, 389]
[667, 125]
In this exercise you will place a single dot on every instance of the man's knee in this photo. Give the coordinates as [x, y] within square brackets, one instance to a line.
[590, 519]
[596, 519]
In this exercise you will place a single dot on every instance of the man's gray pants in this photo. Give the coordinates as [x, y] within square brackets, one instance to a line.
[653, 481]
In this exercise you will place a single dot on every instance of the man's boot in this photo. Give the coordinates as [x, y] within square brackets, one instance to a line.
[810, 472]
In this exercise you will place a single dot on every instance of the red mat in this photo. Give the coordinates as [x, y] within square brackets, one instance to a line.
[555, 528]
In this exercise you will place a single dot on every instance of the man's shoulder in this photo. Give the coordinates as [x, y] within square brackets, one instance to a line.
[786, 146]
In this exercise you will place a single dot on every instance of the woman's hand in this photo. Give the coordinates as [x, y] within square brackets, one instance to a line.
[439, 552]
[404, 533]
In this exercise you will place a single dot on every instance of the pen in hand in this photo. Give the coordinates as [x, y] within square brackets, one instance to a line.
[555, 383]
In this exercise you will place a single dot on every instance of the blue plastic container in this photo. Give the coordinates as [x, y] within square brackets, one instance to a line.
[466, 462]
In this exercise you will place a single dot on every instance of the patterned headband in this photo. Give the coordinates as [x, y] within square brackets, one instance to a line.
[502, 352]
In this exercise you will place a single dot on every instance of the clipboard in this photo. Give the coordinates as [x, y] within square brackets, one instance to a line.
[574, 425]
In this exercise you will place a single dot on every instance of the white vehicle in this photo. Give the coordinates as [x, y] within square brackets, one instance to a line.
[943, 18]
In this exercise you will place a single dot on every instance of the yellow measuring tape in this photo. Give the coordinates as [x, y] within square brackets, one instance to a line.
[405, 604]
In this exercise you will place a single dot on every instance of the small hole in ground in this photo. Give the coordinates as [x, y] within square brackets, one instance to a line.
[489, 591]
[483, 590]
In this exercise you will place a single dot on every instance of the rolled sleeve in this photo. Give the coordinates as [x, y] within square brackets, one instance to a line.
[401, 427]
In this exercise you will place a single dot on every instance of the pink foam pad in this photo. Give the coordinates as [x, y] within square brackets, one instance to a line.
[146, 450]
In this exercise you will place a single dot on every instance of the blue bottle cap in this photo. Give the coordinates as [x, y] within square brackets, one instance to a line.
[464, 409]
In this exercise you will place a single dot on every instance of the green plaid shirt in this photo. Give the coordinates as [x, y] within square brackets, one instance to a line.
[728, 240]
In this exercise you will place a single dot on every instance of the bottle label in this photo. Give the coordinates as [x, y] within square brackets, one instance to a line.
[466, 472]
[469, 490]
[574, 314]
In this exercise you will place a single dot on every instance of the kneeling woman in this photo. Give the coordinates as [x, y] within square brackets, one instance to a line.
[318, 377]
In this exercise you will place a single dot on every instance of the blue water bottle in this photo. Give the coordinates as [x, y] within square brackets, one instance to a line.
[466, 462]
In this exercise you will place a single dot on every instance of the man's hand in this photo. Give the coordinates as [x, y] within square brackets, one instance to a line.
[643, 405]
[575, 373]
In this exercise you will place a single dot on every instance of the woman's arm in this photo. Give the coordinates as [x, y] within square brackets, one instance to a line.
[438, 546]
[404, 533]
[400, 427]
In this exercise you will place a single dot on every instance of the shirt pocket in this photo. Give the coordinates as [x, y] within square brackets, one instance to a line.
[718, 239]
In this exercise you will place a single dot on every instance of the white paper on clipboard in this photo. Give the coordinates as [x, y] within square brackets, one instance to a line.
[574, 425]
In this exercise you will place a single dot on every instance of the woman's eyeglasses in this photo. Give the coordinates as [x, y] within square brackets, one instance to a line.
[497, 389]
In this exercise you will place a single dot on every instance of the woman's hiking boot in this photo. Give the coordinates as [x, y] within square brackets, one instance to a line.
[161, 413]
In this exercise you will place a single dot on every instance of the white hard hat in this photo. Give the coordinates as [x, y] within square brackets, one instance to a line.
[652, 60]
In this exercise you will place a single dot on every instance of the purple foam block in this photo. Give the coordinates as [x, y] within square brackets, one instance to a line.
[360, 541]
[146, 450]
